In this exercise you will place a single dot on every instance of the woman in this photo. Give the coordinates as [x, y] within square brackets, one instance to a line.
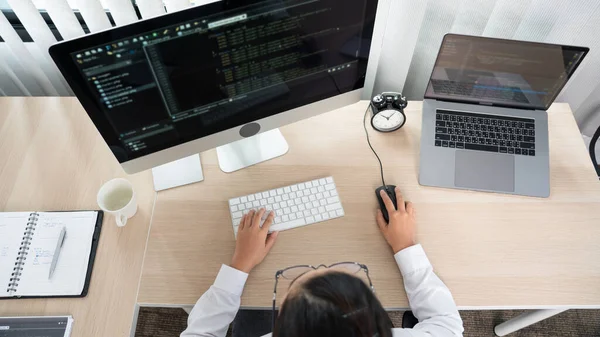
[332, 301]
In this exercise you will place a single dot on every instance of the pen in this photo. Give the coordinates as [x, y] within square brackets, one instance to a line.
[59, 244]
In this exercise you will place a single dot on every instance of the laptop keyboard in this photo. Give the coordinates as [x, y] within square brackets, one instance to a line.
[481, 132]
[512, 94]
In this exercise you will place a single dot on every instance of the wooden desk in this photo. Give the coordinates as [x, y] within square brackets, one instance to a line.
[492, 250]
[52, 158]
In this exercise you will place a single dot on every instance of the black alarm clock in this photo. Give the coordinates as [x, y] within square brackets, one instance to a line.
[387, 111]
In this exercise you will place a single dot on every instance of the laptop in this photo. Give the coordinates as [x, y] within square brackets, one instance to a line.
[485, 125]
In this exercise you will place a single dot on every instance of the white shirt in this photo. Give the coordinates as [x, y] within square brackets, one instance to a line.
[429, 299]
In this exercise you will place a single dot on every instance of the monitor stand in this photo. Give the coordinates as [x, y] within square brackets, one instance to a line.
[252, 150]
[180, 172]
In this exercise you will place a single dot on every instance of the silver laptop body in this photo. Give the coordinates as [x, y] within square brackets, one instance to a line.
[485, 125]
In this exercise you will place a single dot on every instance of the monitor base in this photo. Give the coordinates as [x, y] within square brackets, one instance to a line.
[180, 172]
[251, 150]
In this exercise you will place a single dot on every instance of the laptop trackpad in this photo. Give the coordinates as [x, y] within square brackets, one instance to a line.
[485, 171]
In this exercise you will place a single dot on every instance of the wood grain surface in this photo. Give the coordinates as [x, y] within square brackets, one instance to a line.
[490, 249]
[51, 159]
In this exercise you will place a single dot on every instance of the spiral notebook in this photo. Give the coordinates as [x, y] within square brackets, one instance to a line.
[27, 245]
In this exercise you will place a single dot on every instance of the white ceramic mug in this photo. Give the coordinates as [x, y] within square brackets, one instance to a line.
[117, 197]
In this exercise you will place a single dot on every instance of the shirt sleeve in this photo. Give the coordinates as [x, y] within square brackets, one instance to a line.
[217, 308]
[429, 298]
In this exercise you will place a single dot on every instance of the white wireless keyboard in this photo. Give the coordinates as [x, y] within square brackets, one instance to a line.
[295, 205]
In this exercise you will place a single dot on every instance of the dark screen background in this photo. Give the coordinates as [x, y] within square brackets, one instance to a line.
[181, 88]
[543, 69]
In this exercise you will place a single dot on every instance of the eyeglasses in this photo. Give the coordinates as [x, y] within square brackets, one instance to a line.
[292, 273]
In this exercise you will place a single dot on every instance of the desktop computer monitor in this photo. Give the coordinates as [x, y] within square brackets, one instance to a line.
[224, 75]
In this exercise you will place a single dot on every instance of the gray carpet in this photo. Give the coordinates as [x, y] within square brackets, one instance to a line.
[163, 322]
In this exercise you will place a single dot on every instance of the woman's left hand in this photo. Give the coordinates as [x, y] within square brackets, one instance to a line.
[253, 241]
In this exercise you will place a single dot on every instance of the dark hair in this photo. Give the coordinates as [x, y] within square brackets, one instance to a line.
[333, 304]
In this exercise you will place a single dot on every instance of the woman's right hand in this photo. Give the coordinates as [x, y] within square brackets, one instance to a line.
[400, 231]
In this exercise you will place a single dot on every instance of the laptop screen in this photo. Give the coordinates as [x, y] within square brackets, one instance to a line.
[501, 72]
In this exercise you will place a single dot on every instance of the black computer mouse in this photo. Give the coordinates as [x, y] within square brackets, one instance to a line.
[391, 192]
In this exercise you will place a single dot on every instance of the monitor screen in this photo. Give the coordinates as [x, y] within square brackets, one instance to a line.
[502, 72]
[169, 80]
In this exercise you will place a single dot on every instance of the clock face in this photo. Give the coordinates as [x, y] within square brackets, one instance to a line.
[387, 120]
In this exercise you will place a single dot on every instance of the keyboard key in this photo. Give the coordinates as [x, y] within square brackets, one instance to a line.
[503, 149]
[529, 126]
[293, 216]
[308, 184]
[234, 201]
[301, 186]
[287, 225]
[233, 208]
[315, 203]
[329, 180]
[272, 193]
[322, 202]
[333, 200]
[279, 191]
[525, 145]
[265, 195]
[314, 211]
[480, 147]
[444, 143]
[332, 214]
[236, 215]
[255, 204]
[438, 116]
[452, 145]
[248, 205]
[294, 188]
[339, 212]
[532, 152]
[445, 117]
[460, 145]
[322, 181]
[310, 220]
[285, 218]
[529, 139]
[517, 151]
[244, 199]
[454, 138]
[524, 152]
[511, 150]
[329, 187]
[325, 216]
[438, 143]
[278, 198]
[440, 123]
[285, 197]
[441, 130]
[442, 137]
[322, 209]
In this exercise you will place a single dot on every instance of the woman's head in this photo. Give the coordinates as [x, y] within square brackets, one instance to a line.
[331, 303]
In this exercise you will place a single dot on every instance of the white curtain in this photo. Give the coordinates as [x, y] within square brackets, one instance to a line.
[415, 28]
[413, 33]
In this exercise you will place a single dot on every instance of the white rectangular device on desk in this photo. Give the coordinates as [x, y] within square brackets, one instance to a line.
[294, 205]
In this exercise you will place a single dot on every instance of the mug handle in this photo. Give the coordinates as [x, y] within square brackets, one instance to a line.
[121, 220]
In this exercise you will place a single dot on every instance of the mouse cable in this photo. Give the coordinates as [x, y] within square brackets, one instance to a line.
[371, 146]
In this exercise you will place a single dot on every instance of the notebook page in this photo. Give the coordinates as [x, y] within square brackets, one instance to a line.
[12, 227]
[72, 265]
